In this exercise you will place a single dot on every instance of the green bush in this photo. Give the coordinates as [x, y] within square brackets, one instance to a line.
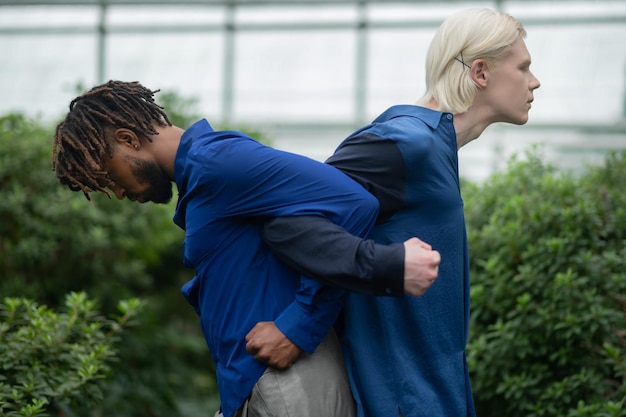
[53, 242]
[49, 359]
[548, 258]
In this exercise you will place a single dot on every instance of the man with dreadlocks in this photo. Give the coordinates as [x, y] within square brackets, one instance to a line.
[115, 137]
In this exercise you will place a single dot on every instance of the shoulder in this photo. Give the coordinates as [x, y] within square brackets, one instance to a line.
[406, 135]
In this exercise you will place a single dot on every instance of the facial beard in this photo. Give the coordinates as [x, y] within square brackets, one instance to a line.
[159, 185]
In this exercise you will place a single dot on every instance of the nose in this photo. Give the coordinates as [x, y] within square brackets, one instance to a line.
[119, 192]
[534, 83]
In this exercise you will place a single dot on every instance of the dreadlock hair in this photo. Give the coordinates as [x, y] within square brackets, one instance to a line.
[81, 149]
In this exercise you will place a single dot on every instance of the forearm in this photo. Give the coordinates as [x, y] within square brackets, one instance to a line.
[318, 248]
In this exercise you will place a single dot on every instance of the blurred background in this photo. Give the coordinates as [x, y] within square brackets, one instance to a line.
[308, 72]
[302, 75]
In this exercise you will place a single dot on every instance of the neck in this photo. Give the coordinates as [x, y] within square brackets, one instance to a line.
[165, 146]
[468, 126]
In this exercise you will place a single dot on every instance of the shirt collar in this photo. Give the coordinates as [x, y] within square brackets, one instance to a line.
[195, 130]
[428, 116]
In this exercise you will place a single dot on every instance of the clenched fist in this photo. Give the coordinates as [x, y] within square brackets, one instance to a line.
[270, 346]
[421, 266]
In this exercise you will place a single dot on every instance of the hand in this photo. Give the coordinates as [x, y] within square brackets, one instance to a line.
[421, 266]
[270, 346]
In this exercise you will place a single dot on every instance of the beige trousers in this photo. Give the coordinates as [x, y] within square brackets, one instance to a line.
[315, 386]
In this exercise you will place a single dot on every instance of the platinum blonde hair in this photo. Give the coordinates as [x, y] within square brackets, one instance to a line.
[462, 38]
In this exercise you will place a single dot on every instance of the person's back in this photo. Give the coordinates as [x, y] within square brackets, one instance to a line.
[226, 181]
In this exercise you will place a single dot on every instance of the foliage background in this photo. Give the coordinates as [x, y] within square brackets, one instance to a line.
[52, 361]
[53, 241]
[548, 258]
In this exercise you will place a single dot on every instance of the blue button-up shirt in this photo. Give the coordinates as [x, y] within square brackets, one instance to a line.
[228, 185]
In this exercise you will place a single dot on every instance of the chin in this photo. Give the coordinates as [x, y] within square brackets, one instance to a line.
[521, 120]
[164, 196]
[162, 199]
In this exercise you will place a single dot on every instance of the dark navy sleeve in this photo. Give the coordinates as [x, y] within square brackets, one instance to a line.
[357, 264]
[378, 165]
[316, 247]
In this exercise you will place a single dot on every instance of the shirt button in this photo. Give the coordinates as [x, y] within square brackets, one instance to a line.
[449, 117]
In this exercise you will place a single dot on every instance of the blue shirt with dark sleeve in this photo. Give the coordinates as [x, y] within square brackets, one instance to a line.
[228, 185]
[402, 353]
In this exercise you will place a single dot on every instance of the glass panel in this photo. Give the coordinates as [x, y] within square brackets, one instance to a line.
[165, 15]
[582, 69]
[39, 75]
[281, 14]
[396, 67]
[189, 64]
[294, 75]
[47, 16]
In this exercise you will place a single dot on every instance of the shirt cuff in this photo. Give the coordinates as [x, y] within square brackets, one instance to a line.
[388, 276]
[305, 328]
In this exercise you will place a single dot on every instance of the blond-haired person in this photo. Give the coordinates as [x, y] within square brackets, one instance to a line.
[406, 355]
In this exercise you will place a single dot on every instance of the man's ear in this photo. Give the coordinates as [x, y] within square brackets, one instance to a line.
[479, 72]
[126, 137]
